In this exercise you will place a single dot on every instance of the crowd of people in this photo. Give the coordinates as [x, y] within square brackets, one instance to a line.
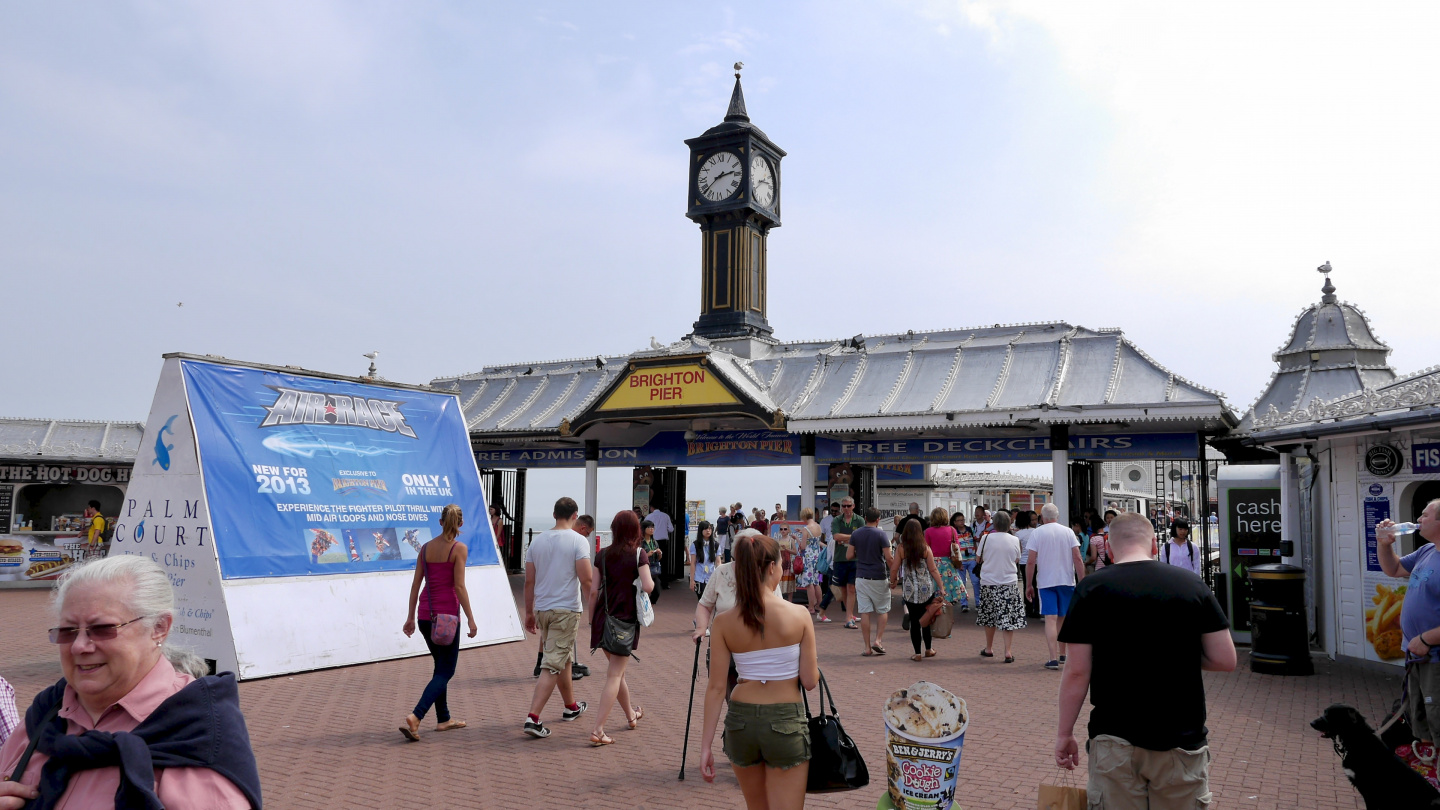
[174, 736]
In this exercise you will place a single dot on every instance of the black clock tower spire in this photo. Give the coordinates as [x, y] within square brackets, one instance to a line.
[734, 197]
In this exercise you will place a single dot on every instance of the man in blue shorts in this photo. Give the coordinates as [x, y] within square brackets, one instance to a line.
[1053, 562]
[842, 568]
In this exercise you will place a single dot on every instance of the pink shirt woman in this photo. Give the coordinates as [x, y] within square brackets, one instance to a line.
[176, 787]
[114, 617]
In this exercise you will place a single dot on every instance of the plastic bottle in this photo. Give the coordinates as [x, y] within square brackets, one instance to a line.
[1404, 528]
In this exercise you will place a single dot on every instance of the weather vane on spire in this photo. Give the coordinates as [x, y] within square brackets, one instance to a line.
[739, 66]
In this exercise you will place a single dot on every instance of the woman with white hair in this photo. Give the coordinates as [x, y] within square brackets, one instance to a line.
[134, 722]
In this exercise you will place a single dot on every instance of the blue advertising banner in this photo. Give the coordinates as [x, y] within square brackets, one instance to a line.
[1425, 459]
[1376, 509]
[305, 475]
[763, 448]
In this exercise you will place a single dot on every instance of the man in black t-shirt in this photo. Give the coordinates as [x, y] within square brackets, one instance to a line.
[913, 514]
[1141, 755]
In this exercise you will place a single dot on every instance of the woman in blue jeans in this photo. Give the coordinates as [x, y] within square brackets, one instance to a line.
[441, 568]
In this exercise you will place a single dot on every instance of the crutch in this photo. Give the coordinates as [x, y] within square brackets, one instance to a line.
[694, 670]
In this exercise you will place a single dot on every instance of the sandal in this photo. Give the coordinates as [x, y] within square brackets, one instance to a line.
[450, 725]
[599, 738]
[878, 649]
[851, 626]
[917, 657]
[868, 654]
[1009, 659]
[984, 654]
[639, 713]
[929, 653]
[412, 733]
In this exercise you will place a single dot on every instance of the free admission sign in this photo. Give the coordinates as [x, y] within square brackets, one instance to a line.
[274, 494]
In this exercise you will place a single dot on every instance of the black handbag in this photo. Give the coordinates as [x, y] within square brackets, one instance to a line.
[617, 637]
[979, 558]
[835, 762]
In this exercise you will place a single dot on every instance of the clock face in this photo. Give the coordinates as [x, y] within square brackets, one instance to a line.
[720, 176]
[762, 181]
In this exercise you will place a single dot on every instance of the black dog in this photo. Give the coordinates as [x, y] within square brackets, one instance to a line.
[1382, 779]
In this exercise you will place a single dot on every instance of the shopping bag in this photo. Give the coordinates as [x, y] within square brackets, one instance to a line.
[1064, 796]
[943, 623]
[644, 612]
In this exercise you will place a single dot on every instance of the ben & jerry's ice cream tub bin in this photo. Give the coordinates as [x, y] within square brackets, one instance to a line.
[924, 732]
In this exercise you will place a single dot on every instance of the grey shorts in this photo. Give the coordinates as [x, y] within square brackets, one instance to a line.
[1422, 700]
[872, 595]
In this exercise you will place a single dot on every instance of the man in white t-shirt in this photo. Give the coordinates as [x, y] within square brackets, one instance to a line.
[585, 527]
[664, 528]
[1052, 562]
[557, 585]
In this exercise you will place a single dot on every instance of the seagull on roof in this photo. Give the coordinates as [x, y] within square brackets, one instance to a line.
[655, 344]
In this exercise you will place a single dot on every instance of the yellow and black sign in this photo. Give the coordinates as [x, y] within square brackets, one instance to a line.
[668, 387]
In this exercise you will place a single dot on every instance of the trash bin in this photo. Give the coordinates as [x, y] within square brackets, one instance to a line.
[1279, 633]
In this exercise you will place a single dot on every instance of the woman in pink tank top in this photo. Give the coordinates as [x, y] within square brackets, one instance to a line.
[441, 569]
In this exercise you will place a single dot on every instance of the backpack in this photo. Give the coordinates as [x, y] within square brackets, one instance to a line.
[722, 525]
[1189, 547]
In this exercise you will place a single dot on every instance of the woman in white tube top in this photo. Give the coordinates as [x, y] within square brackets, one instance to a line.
[772, 642]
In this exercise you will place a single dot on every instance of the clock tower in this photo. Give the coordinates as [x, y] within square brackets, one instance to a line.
[734, 196]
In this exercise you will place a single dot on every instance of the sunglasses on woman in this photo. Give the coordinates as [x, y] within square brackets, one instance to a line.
[95, 632]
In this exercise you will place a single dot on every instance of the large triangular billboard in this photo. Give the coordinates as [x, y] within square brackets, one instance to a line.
[289, 509]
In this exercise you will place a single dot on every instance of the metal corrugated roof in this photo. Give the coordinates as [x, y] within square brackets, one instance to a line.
[1397, 399]
[1332, 353]
[69, 439]
[977, 376]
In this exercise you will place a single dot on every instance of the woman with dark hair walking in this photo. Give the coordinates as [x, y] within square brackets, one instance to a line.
[773, 644]
[704, 556]
[914, 570]
[621, 568]
[441, 568]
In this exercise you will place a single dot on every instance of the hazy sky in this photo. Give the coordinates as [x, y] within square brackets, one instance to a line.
[458, 185]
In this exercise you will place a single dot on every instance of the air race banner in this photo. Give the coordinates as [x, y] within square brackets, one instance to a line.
[307, 475]
[288, 510]
[760, 448]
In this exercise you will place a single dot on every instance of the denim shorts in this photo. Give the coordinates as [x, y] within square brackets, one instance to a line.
[773, 734]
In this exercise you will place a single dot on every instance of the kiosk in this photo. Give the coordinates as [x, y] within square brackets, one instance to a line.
[50, 470]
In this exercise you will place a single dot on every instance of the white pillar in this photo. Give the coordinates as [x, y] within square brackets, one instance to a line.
[807, 477]
[592, 479]
[1289, 514]
[1060, 469]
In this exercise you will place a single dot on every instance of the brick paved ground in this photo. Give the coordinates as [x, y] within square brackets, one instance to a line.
[328, 739]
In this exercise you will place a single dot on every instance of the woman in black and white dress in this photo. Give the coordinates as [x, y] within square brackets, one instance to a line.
[1001, 605]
